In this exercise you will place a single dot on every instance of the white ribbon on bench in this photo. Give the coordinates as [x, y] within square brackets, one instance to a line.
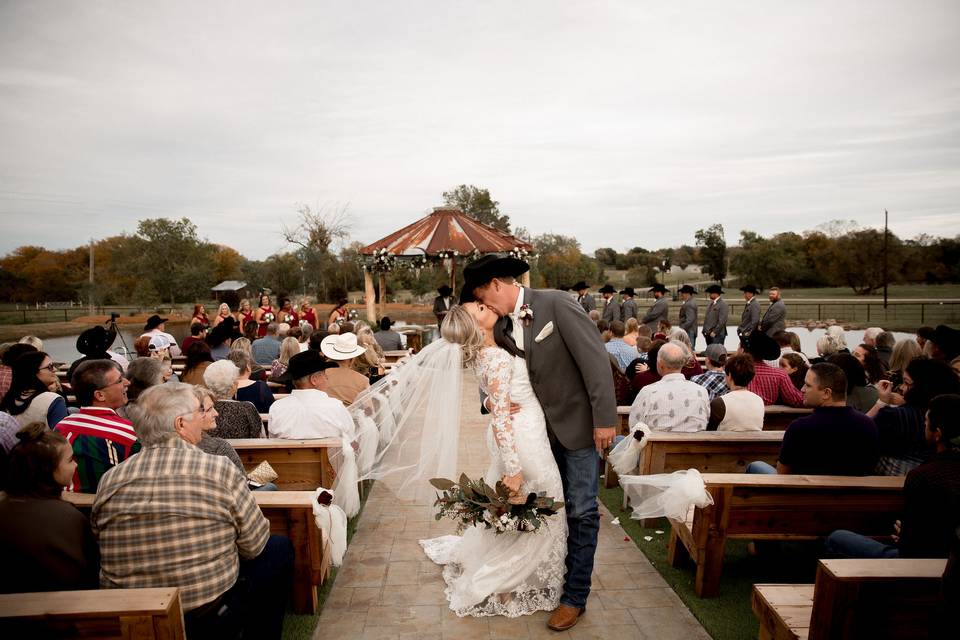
[666, 494]
[625, 457]
[333, 522]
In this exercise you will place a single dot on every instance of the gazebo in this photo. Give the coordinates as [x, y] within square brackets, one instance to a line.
[447, 236]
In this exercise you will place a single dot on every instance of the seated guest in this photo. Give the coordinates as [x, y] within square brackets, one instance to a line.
[34, 393]
[249, 390]
[740, 409]
[33, 341]
[305, 332]
[156, 326]
[870, 335]
[944, 344]
[387, 338]
[786, 340]
[243, 345]
[309, 412]
[795, 366]
[835, 440]
[826, 347]
[899, 418]
[673, 403]
[884, 344]
[142, 374]
[235, 419]
[643, 371]
[839, 336]
[866, 355]
[692, 368]
[903, 352]
[371, 362]
[220, 338]
[47, 542]
[770, 383]
[343, 383]
[101, 439]
[288, 348]
[94, 344]
[200, 530]
[267, 349]
[714, 380]
[199, 358]
[924, 334]
[631, 331]
[197, 333]
[623, 353]
[931, 497]
[10, 356]
[860, 395]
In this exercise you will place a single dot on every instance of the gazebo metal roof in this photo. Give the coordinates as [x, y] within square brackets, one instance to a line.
[446, 229]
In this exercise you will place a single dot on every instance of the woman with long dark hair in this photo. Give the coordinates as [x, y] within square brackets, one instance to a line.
[871, 363]
[34, 394]
[200, 316]
[199, 358]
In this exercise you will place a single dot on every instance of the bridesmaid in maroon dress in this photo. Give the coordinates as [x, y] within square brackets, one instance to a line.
[245, 314]
[307, 314]
[287, 313]
[264, 315]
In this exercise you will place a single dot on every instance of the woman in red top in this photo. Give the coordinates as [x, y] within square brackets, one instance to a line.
[245, 314]
[287, 313]
[200, 316]
[264, 315]
[339, 314]
[307, 314]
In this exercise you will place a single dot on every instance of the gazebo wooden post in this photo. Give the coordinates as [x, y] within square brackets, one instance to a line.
[453, 273]
[370, 295]
[383, 294]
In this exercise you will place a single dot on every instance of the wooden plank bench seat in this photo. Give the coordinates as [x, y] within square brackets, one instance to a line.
[301, 465]
[132, 614]
[290, 514]
[889, 598]
[780, 507]
[776, 417]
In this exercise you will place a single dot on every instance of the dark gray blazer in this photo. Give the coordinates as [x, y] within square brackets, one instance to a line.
[611, 311]
[569, 369]
[688, 315]
[750, 318]
[716, 318]
[658, 311]
[628, 309]
[587, 302]
[775, 319]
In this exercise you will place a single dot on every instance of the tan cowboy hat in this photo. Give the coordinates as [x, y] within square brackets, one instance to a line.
[342, 346]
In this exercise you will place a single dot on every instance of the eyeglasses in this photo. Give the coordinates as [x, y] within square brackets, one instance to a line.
[50, 367]
[107, 386]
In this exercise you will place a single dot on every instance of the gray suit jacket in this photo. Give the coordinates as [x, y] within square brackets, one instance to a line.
[587, 302]
[628, 309]
[569, 369]
[688, 315]
[658, 311]
[750, 318]
[611, 311]
[716, 319]
[775, 319]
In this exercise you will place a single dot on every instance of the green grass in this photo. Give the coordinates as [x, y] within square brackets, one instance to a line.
[729, 616]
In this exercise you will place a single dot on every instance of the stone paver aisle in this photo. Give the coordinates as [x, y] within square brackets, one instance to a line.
[387, 588]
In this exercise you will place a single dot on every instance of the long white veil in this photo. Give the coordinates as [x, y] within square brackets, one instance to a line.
[407, 428]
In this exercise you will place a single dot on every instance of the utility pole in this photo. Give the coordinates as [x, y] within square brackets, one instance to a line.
[90, 292]
[886, 236]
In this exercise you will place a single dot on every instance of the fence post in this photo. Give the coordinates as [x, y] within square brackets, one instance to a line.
[868, 312]
[922, 309]
[819, 315]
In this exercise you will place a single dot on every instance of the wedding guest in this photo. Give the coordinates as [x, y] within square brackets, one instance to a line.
[235, 418]
[903, 352]
[371, 362]
[714, 379]
[387, 338]
[827, 345]
[343, 383]
[200, 316]
[256, 392]
[142, 374]
[673, 403]
[264, 315]
[944, 344]
[623, 353]
[158, 347]
[47, 543]
[308, 412]
[197, 333]
[884, 344]
[266, 349]
[223, 312]
[796, 367]
[243, 345]
[339, 314]
[640, 371]
[860, 394]
[201, 532]
[157, 326]
[770, 383]
[923, 334]
[199, 358]
[839, 335]
[740, 409]
[631, 331]
[288, 348]
[33, 394]
[220, 338]
[10, 356]
[789, 342]
[870, 335]
[931, 497]
[33, 341]
[308, 315]
[94, 343]
[142, 346]
[251, 330]
[870, 361]
[304, 338]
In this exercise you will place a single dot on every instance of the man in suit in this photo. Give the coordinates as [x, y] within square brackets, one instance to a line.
[628, 308]
[715, 322]
[775, 319]
[570, 375]
[442, 303]
[750, 318]
[584, 296]
[659, 310]
[688, 313]
[611, 308]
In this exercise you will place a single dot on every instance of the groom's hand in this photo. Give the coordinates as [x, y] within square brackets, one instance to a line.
[603, 437]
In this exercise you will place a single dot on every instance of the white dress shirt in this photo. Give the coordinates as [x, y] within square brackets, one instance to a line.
[517, 325]
[309, 413]
[672, 404]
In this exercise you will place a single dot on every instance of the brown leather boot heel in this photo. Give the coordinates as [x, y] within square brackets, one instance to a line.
[564, 617]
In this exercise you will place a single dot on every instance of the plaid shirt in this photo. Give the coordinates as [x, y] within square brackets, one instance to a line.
[6, 378]
[101, 440]
[173, 516]
[715, 382]
[774, 386]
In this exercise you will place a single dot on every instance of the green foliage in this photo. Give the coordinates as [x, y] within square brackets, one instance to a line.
[474, 502]
[560, 262]
[477, 203]
[713, 251]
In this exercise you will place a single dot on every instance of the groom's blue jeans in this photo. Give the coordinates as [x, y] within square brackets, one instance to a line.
[580, 471]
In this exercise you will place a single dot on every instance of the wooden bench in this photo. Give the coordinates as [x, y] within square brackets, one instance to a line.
[132, 614]
[777, 417]
[890, 598]
[780, 507]
[290, 514]
[301, 465]
[391, 357]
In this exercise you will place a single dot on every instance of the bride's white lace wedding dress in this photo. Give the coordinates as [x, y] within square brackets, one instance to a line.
[510, 574]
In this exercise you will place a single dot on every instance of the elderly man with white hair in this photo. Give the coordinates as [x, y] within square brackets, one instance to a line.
[174, 516]
[674, 403]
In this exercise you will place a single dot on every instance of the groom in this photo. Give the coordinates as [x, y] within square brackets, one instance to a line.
[570, 374]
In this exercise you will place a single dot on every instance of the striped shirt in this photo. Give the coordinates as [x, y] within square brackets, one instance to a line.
[174, 516]
[101, 440]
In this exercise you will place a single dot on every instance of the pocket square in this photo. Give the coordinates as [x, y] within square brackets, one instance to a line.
[545, 332]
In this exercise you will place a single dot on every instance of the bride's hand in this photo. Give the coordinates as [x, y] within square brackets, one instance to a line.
[514, 482]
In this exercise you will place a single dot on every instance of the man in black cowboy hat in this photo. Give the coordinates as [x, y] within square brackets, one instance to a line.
[611, 308]
[750, 318]
[442, 303]
[659, 310]
[570, 375]
[93, 344]
[628, 308]
[156, 326]
[688, 313]
[584, 297]
[715, 322]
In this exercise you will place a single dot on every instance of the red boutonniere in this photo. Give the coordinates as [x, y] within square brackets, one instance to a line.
[526, 314]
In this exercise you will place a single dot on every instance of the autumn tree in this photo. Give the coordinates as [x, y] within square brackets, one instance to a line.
[477, 203]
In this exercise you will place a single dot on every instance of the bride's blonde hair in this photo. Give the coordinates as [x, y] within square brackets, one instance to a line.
[459, 327]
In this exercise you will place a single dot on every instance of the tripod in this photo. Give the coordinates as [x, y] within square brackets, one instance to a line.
[115, 331]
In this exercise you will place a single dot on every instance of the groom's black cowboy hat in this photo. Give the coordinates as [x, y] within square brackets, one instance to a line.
[483, 270]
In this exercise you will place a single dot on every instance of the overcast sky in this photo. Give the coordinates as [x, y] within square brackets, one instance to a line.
[620, 123]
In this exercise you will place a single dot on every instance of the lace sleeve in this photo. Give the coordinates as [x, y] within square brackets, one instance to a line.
[497, 375]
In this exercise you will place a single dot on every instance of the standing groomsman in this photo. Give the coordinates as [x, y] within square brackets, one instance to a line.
[628, 308]
[658, 310]
[775, 319]
[715, 322]
[688, 313]
[750, 318]
[584, 297]
[442, 303]
[611, 308]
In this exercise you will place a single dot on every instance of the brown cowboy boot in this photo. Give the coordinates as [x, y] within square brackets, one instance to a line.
[564, 617]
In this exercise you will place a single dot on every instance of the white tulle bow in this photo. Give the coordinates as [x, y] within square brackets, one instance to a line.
[332, 521]
[666, 494]
[625, 457]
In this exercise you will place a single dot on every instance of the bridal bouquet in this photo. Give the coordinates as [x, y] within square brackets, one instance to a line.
[474, 502]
